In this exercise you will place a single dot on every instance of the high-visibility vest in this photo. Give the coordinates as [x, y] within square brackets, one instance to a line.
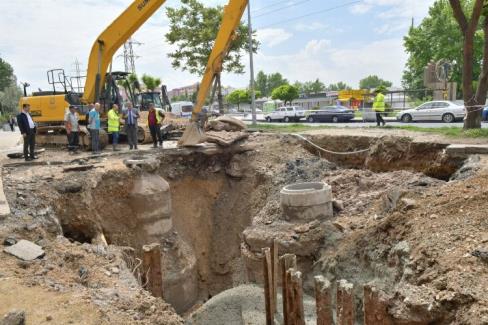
[379, 103]
[158, 117]
[113, 121]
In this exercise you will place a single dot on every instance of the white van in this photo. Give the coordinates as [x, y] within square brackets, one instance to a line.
[182, 109]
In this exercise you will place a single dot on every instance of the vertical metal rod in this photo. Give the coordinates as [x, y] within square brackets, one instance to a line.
[251, 64]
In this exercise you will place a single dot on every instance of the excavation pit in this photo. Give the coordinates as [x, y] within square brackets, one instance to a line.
[212, 213]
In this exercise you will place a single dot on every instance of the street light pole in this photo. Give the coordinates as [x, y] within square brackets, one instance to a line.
[251, 63]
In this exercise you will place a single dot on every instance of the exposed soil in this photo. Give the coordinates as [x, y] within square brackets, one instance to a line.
[398, 224]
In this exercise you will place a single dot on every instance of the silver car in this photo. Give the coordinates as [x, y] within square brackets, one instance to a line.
[439, 110]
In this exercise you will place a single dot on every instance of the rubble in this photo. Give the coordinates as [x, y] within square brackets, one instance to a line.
[423, 248]
[15, 317]
[25, 250]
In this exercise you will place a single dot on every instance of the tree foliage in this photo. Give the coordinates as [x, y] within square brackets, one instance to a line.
[6, 74]
[310, 87]
[237, 97]
[266, 83]
[372, 82]
[339, 86]
[240, 96]
[132, 82]
[150, 82]
[286, 93]
[438, 37]
[10, 92]
[193, 29]
[468, 21]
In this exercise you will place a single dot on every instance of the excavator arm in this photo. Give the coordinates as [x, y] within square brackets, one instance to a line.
[116, 34]
[230, 21]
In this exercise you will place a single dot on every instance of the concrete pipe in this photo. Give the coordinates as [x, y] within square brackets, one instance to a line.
[304, 202]
[150, 200]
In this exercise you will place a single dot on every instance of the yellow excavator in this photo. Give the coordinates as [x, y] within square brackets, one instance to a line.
[48, 107]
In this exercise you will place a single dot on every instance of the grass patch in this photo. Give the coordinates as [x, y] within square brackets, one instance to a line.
[450, 131]
[290, 128]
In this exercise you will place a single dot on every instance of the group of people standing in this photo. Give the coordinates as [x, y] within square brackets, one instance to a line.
[115, 117]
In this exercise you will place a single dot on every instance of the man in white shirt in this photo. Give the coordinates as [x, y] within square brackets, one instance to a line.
[27, 128]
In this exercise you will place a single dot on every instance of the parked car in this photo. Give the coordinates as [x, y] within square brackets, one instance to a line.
[439, 110]
[286, 114]
[484, 116]
[331, 114]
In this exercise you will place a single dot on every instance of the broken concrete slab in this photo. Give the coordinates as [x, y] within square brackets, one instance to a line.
[226, 123]
[25, 250]
[225, 138]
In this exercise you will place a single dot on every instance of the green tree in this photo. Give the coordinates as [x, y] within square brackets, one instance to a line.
[193, 28]
[438, 37]
[262, 83]
[317, 86]
[9, 98]
[372, 82]
[130, 84]
[237, 97]
[150, 83]
[286, 93]
[468, 21]
[275, 80]
[10, 92]
[6, 74]
[338, 86]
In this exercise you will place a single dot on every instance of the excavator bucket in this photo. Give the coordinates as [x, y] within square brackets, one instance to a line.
[193, 135]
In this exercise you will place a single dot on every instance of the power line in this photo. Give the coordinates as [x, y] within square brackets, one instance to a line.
[311, 14]
[268, 6]
[281, 8]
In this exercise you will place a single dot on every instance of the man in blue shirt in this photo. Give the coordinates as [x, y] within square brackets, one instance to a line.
[94, 124]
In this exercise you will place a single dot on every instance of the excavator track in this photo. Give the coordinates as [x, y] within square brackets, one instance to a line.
[55, 136]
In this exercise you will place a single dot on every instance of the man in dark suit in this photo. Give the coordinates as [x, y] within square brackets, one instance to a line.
[27, 128]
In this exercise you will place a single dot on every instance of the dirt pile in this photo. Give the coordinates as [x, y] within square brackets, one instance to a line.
[411, 235]
[421, 254]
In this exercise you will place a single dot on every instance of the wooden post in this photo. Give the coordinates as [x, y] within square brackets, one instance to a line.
[268, 287]
[323, 301]
[296, 279]
[375, 308]
[151, 263]
[274, 272]
[288, 261]
[345, 303]
[290, 298]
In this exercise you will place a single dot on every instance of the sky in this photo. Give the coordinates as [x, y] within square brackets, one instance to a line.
[333, 40]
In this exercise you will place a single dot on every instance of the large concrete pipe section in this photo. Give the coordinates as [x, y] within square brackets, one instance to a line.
[304, 202]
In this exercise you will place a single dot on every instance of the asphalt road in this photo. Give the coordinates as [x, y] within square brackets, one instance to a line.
[359, 123]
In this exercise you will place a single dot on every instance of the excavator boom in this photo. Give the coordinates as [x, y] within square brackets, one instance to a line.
[109, 41]
[230, 21]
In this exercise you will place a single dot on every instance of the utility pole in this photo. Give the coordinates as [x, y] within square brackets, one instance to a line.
[129, 56]
[251, 63]
[78, 75]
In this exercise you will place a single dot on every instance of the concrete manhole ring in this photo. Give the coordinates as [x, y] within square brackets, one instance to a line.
[307, 201]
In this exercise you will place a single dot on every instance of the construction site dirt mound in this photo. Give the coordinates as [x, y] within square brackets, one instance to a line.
[420, 239]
